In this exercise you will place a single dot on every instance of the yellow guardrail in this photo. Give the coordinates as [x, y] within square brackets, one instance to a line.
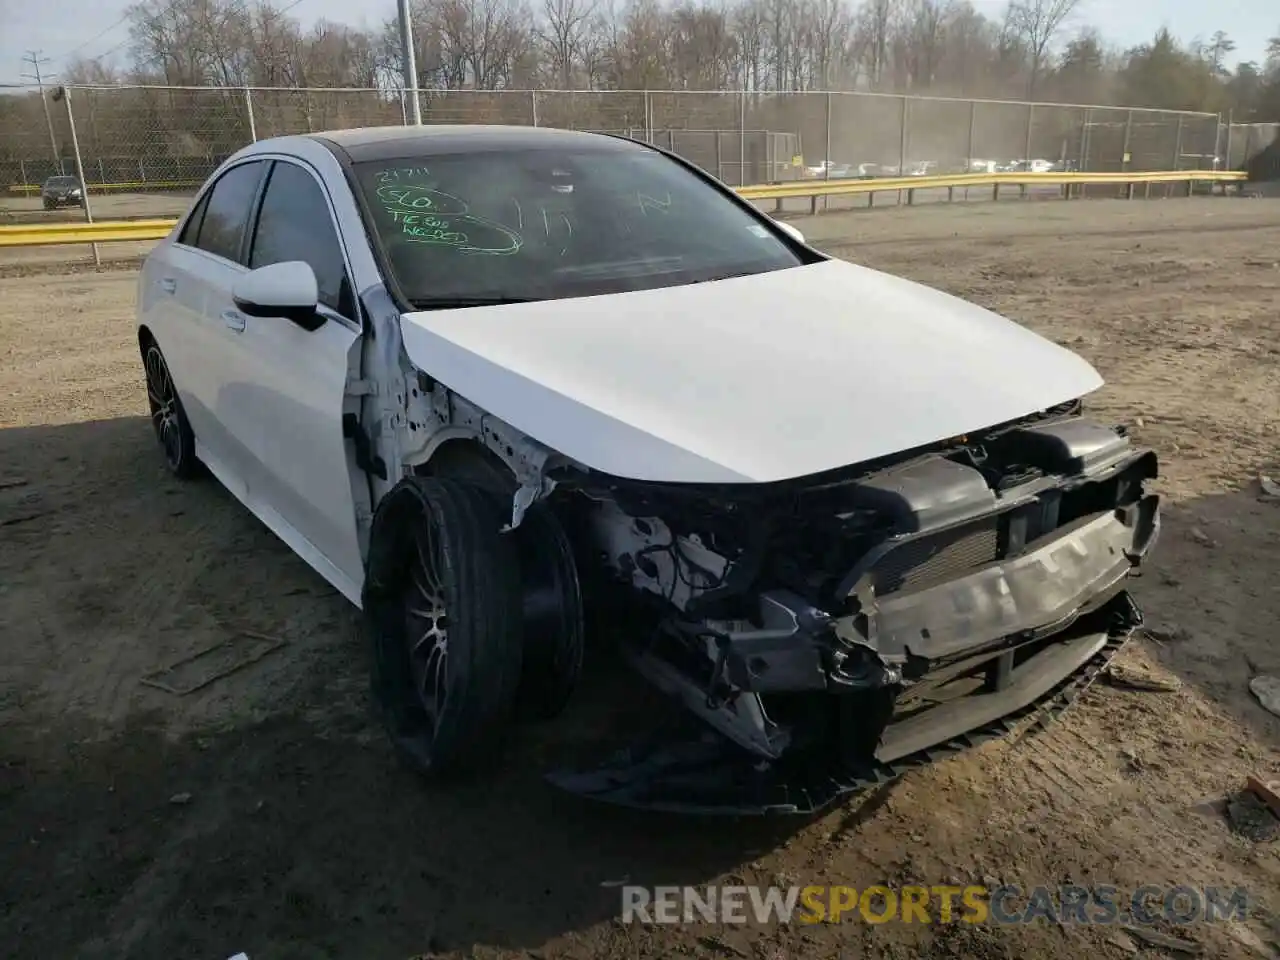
[843, 187]
[108, 231]
[105, 231]
[124, 186]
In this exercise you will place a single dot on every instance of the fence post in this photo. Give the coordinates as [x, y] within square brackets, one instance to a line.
[1177, 157]
[742, 139]
[22, 173]
[648, 118]
[1026, 157]
[84, 187]
[827, 170]
[973, 129]
[1124, 156]
[248, 109]
[902, 145]
[1226, 161]
[719, 157]
[533, 104]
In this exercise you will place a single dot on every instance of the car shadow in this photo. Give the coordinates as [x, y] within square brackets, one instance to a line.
[282, 826]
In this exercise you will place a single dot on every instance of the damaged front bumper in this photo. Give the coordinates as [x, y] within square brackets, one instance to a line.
[990, 608]
[688, 771]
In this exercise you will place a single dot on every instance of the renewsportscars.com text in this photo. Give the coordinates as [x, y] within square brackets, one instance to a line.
[976, 904]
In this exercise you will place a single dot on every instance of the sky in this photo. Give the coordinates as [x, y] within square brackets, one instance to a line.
[92, 28]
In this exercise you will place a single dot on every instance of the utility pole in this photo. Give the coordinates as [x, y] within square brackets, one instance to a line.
[33, 57]
[410, 61]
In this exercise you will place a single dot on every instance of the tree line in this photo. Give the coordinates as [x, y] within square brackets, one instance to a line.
[1036, 50]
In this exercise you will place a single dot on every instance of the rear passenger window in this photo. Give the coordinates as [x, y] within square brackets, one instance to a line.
[295, 224]
[227, 213]
[191, 229]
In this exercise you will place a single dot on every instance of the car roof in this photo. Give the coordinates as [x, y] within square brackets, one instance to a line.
[392, 142]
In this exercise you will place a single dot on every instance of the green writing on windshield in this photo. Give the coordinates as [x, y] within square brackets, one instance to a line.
[430, 216]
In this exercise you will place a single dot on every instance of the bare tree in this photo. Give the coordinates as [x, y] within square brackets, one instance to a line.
[565, 31]
[1036, 23]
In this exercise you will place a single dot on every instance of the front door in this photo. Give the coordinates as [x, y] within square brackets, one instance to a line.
[285, 404]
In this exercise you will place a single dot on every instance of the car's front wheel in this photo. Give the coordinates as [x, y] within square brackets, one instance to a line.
[442, 606]
[168, 419]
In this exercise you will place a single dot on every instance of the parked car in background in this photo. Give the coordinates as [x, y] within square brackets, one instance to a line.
[61, 191]
[829, 170]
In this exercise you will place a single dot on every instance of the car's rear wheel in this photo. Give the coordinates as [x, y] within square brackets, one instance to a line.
[442, 605]
[168, 419]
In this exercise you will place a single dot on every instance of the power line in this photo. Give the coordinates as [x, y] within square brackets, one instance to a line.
[96, 37]
[239, 3]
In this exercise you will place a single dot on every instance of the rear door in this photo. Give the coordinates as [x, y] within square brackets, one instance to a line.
[285, 404]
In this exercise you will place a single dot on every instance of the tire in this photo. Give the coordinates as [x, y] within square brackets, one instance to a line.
[48, 205]
[554, 631]
[442, 610]
[168, 418]
[554, 628]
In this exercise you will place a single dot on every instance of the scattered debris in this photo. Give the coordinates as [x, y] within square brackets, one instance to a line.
[1270, 489]
[1164, 941]
[712, 942]
[1133, 679]
[15, 482]
[1251, 818]
[1202, 538]
[1125, 943]
[172, 674]
[180, 799]
[1133, 762]
[1266, 791]
[1267, 690]
[1168, 634]
[25, 518]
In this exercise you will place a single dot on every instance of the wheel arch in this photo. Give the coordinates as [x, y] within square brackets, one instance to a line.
[145, 338]
[462, 453]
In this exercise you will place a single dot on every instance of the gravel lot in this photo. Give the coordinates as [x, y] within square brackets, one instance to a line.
[264, 812]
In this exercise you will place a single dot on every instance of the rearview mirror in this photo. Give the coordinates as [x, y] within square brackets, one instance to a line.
[790, 231]
[287, 289]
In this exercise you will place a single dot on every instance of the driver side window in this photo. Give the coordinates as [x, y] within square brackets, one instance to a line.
[295, 224]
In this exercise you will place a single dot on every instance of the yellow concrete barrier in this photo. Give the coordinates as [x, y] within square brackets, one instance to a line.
[125, 187]
[108, 231]
[845, 187]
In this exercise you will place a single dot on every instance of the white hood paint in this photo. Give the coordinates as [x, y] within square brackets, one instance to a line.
[752, 379]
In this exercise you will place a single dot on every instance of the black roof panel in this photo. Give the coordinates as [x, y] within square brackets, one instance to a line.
[393, 142]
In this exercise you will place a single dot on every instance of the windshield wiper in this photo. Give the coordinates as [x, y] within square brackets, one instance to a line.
[451, 303]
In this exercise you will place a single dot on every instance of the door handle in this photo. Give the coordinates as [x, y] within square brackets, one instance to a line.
[233, 319]
[169, 285]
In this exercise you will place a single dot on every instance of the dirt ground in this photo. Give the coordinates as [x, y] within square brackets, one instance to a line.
[264, 812]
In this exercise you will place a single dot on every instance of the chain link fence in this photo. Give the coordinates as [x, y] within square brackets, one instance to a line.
[143, 150]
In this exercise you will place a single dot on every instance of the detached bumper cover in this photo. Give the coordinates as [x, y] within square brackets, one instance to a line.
[706, 774]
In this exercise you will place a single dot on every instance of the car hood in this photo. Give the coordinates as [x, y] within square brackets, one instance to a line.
[746, 380]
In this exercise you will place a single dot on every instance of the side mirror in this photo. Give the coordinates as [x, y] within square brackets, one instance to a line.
[790, 231]
[287, 289]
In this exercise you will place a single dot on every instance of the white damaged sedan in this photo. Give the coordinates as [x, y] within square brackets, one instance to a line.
[498, 384]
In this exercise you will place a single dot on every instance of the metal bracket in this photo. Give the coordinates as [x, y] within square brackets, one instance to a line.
[525, 497]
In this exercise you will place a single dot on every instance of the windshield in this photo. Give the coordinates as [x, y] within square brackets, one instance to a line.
[62, 182]
[548, 224]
